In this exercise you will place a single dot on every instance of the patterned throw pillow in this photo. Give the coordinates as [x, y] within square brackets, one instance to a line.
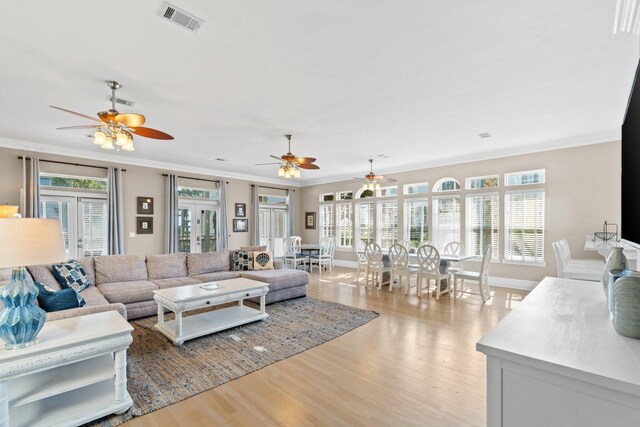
[242, 261]
[263, 260]
[52, 300]
[71, 275]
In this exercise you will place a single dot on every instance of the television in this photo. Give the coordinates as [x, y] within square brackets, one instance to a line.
[630, 194]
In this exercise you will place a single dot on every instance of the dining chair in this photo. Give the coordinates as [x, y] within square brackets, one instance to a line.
[375, 265]
[405, 244]
[362, 259]
[400, 267]
[324, 255]
[454, 248]
[564, 245]
[429, 263]
[576, 270]
[482, 276]
[293, 256]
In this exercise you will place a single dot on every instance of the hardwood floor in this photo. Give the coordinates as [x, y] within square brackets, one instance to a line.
[415, 364]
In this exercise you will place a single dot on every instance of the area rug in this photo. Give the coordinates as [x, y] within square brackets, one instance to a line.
[160, 374]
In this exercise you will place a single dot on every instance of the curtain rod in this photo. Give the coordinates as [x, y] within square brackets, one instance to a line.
[196, 179]
[273, 188]
[69, 163]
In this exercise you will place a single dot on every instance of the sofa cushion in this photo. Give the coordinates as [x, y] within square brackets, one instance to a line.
[120, 268]
[253, 248]
[173, 282]
[93, 296]
[64, 299]
[167, 266]
[241, 261]
[262, 260]
[218, 275]
[42, 273]
[128, 292]
[89, 268]
[71, 275]
[279, 279]
[208, 262]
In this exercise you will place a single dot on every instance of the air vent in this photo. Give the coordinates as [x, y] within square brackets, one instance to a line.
[122, 101]
[484, 135]
[180, 17]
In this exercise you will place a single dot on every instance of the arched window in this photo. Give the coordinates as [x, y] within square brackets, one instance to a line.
[446, 184]
[363, 194]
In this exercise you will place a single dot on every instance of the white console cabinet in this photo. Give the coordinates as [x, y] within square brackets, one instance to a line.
[556, 360]
[76, 373]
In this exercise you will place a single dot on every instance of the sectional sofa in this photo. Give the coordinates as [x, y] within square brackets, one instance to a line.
[126, 282]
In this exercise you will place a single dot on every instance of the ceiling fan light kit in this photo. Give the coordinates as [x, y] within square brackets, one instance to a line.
[115, 127]
[290, 164]
[372, 181]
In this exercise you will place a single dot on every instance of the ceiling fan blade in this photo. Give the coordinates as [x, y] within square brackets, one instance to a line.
[151, 133]
[275, 157]
[263, 164]
[75, 113]
[383, 179]
[303, 160]
[308, 166]
[130, 119]
[78, 127]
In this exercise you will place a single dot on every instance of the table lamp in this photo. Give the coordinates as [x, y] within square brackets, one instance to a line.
[8, 211]
[25, 242]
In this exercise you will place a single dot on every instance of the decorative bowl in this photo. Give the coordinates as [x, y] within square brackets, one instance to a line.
[602, 235]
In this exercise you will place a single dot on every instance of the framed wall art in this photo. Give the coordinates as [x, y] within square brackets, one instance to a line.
[241, 209]
[144, 225]
[145, 205]
[240, 225]
[310, 220]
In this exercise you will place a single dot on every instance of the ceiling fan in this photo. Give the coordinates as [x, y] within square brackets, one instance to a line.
[290, 164]
[115, 127]
[372, 181]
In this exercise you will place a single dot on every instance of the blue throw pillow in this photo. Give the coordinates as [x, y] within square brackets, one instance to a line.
[71, 275]
[52, 300]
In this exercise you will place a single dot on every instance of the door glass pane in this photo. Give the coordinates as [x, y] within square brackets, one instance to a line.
[185, 230]
[207, 230]
[278, 231]
[93, 228]
[59, 209]
[265, 227]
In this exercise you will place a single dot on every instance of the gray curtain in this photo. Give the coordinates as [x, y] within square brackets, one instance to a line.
[171, 215]
[115, 206]
[31, 187]
[223, 231]
[291, 212]
[255, 213]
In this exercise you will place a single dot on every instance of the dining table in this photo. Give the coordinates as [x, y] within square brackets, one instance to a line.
[310, 249]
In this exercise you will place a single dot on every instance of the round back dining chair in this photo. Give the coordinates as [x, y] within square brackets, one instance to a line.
[454, 248]
[429, 263]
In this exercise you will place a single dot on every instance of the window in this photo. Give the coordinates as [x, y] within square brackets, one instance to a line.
[344, 195]
[415, 221]
[489, 181]
[363, 194]
[272, 200]
[388, 191]
[482, 211]
[64, 181]
[387, 224]
[524, 226]
[326, 214]
[345, 225]
[327, 197]
[365, 220]
[446, 220]
[446, 184]
[197, 193]
[421, 188]
[525, 178]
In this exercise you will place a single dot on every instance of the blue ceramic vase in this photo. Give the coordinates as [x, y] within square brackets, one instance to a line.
[21, 319]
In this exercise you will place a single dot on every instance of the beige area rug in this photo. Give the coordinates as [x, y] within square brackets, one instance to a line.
[160, 374]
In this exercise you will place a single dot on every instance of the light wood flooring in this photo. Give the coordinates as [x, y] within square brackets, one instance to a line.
[414, 365]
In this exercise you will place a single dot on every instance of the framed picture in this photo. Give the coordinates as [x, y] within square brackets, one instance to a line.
[240, 225]
[144, 225]
[145, 205]
[241, 209]
[310, 220]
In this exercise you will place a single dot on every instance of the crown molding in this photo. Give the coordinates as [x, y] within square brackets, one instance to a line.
[486, 155]
[43, 148]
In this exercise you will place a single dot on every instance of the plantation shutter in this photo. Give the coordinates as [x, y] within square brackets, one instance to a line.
[446, 220]
[416, 214]
[326, 221]
[93, 227]
[345, 225]
[482, 224]
[524, 226]
[366, 229]
[388, 224]
[52, 208]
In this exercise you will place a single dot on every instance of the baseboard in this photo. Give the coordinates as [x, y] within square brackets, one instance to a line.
[498, 282]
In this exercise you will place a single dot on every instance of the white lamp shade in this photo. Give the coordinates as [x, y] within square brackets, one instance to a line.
[8, 211]
[29, 241]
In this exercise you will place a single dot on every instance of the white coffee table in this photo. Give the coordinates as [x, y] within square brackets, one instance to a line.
[192, 297]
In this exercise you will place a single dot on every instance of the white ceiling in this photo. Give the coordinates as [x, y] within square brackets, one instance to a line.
[416, 80]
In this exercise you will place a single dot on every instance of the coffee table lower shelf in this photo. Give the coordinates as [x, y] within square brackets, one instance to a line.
[209, 322]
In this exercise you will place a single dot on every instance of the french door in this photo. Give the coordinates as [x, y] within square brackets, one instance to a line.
[84, 223]
[273, 229]
[197, 227]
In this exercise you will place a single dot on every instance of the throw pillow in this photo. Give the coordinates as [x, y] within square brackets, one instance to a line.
[52, 300]
[242, 261]
[263, 260]
[71, 275]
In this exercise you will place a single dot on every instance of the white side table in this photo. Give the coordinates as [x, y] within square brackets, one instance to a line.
[75, 374]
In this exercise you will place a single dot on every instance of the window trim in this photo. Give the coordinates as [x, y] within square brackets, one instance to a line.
[505, 260]
[321, 197]
[500, 220]
[378, 193]
[357, 224]
[507, 174]
[405, 215]
[378, 218]
[432, 224]
[469, 178]
[337, 226]
[404, 189]
[442, 180]
[340, 193]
